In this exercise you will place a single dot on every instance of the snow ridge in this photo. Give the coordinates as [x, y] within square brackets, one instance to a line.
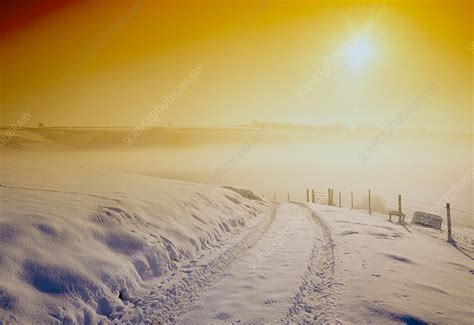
[316, 301]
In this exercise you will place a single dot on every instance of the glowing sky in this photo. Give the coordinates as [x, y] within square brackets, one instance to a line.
[109, 63]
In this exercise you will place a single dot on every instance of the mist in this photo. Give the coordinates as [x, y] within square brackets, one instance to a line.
[273, 161]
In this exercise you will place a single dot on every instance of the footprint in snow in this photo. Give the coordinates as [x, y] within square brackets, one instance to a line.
[223, 316]
[269, 301]
[349, 232]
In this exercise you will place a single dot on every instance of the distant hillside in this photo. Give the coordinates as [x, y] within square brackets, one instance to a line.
[116, 137]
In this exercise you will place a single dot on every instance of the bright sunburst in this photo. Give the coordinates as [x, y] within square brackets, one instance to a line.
[360, 54]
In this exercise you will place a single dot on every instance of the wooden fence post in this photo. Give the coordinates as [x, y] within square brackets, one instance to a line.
[370, 204]
[288, 197]
[312, 196]
[339, 199]
[307, 195]
[329, 196]
[400, 208]
[352, 200]
[448, 214]
[274, 197]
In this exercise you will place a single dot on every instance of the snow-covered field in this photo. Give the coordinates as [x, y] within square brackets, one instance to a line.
[88, 246]
[391, 273]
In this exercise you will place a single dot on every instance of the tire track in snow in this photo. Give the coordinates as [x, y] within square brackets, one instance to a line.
[316, 301]
[260, 286]
[165, 304]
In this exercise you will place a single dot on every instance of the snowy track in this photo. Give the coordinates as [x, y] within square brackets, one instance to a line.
[260, 287]
[281, 272]
[316, 300]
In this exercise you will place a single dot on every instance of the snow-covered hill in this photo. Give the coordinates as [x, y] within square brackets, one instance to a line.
[72, 242]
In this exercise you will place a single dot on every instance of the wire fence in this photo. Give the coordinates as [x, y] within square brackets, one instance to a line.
[455, 225]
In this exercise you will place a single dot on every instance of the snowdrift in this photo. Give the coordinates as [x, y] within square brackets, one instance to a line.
[73, 246]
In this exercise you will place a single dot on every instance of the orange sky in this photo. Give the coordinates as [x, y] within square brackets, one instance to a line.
[84, 63]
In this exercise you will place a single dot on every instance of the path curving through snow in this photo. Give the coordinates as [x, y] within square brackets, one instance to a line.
[260, 287]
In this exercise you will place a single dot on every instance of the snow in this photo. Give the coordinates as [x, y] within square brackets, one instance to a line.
[70, 245]
[392, 273]
[95, 246]
[259, 288]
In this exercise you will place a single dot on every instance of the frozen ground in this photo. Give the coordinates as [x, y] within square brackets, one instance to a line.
[94, 246]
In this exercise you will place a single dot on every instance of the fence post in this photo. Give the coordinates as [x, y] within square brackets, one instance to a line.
[339, 199]
[448, 213]
[312, 196]
[352, 200]
[288, 197]
[370, 204]
[329, 196]
[400, 208]
[274, 197]
[307, 195]
[332, 197]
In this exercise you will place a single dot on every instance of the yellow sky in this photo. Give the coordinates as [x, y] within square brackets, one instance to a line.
[111, 63]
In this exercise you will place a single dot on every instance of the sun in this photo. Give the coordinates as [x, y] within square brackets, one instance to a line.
[360, 54]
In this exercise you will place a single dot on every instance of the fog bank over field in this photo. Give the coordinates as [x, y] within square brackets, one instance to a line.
[267, 157]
